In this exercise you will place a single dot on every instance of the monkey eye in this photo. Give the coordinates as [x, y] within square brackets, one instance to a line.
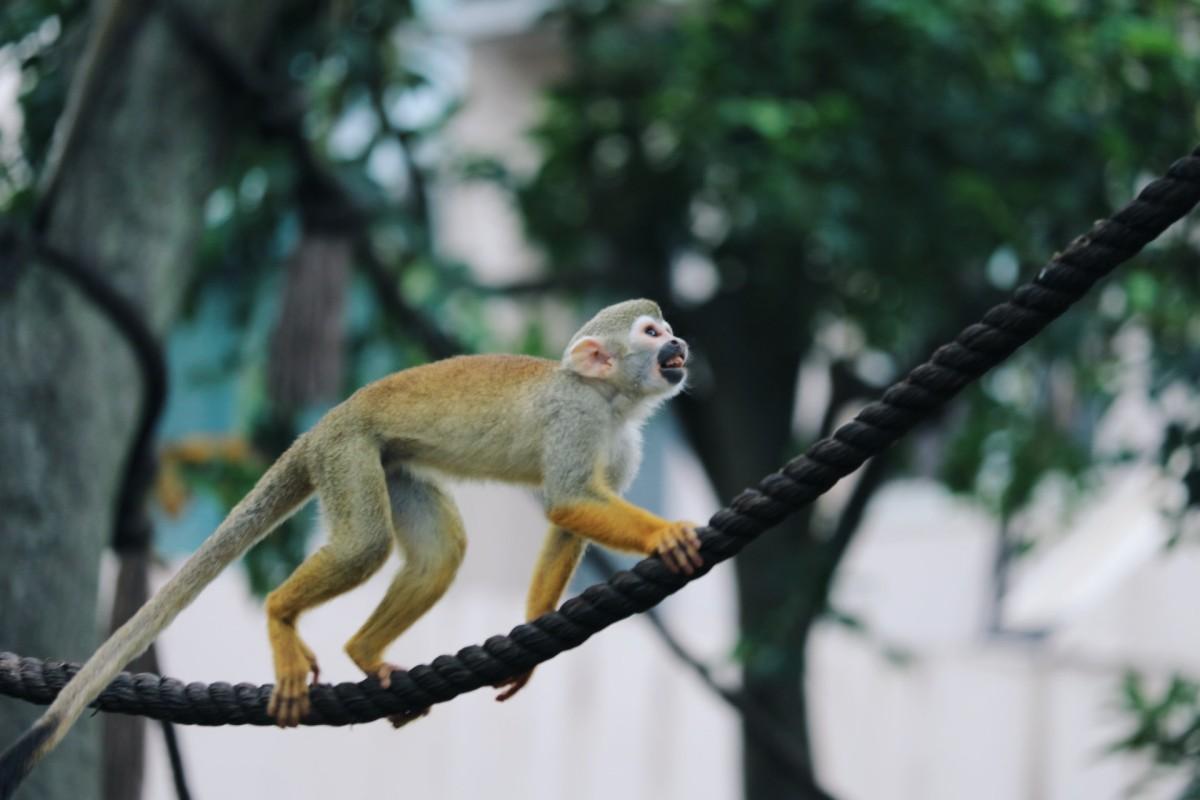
[651, 330]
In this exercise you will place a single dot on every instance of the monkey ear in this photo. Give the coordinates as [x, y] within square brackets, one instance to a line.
[589, 358]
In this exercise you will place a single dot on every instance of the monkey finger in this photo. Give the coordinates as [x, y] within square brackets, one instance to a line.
[691, 544]
[675, 560]
[685, 563]
[666, 555]
[688, 549]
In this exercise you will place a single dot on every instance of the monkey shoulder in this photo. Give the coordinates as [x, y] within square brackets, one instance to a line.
[567, 396]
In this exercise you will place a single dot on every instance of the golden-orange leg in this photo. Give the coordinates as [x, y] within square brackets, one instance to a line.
[556, 563]
[430, 532]
[353, 492]
[323, 575]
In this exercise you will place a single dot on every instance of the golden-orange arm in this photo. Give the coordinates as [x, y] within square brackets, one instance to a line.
[606, 518]
[611, 521]
[556, 563]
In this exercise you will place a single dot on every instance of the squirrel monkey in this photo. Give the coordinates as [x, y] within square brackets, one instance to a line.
[570, 427]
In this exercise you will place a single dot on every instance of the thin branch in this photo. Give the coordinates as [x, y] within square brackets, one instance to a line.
[416, 178]
[436, 342]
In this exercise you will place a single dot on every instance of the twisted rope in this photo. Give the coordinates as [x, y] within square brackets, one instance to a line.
[978, 348]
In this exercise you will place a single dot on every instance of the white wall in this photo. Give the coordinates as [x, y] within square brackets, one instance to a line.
[969, 714]
[613, 718]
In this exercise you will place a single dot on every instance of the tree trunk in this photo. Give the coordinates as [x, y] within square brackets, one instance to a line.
[308, 342]
[742, 431]
[776, 610]
[124, 745]
[130, 201]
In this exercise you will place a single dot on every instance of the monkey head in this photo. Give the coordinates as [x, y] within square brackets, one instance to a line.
[631, 347]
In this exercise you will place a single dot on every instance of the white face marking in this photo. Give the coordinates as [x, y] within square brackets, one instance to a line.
[647, 331]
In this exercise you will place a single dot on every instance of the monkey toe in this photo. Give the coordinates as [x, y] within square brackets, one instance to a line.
[313, 666]
[512, 685]
[384, 674]
[289, 701]
[400, 720]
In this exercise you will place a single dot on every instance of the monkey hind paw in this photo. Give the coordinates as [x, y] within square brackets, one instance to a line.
[400, 720]
[289, 703]
[511, 686]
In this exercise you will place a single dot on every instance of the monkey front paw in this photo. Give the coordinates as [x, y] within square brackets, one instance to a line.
[679, 547]
[512, 685]
[289, 699]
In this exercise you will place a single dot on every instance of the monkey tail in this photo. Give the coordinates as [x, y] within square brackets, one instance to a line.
[284, 487]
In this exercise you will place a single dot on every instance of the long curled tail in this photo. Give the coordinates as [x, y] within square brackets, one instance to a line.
[280, 491]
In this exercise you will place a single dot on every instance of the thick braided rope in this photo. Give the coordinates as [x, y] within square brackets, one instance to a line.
[978, 348]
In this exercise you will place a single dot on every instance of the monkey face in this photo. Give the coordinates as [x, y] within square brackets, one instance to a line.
[632, 348]
[654, 337]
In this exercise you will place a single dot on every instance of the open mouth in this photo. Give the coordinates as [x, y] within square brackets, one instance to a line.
[671, 361]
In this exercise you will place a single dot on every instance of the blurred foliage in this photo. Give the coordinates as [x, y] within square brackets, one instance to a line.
[1166, 729]
[227, 469]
